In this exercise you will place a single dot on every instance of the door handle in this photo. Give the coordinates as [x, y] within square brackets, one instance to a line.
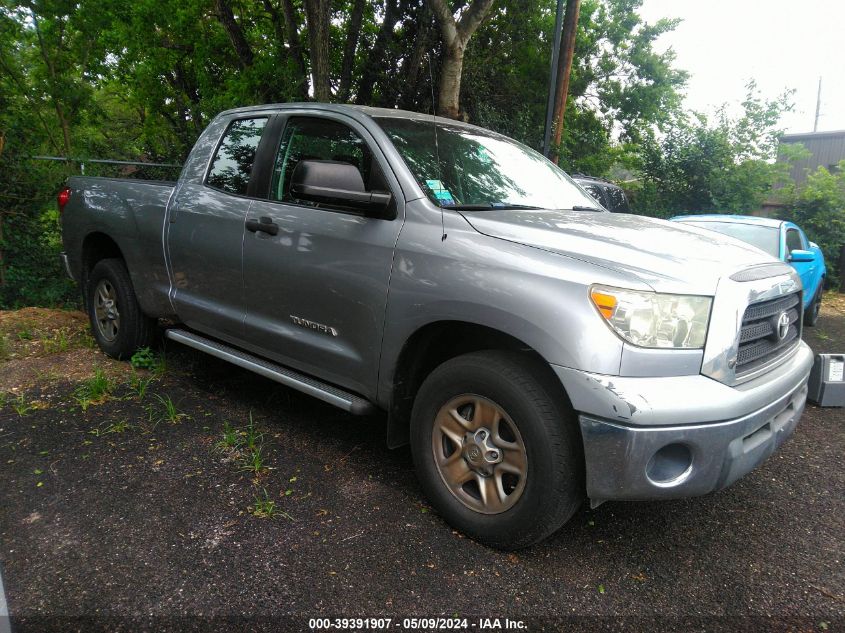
[263, 224]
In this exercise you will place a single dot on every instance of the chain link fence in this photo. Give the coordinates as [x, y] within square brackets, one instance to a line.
[117, 168]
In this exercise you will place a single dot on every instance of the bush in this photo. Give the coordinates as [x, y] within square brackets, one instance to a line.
[818, 207]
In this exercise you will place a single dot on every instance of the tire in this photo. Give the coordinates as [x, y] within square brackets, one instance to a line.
[811, 316]
[117, 322]
[532, 412]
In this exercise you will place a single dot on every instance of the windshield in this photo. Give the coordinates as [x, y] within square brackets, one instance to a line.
[480, 170]
[766, 238]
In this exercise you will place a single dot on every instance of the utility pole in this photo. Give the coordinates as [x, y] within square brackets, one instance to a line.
[564, 67]
[818, 107]
[550, 102]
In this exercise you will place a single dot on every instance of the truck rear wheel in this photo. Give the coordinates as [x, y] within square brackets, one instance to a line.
[496, 448]
[117, 322]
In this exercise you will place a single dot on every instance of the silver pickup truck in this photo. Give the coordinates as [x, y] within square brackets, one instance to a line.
[533, 348]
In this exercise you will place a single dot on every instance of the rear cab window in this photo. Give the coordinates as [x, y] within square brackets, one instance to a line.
[231, 168]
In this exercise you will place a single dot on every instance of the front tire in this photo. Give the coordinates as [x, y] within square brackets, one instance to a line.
[117, 322]
[496, 448]
[811, 316]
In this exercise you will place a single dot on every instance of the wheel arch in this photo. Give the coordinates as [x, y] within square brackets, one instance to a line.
[430, 346]
[96, 247]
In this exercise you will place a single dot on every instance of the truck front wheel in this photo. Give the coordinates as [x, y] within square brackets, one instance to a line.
[117, 322]
[496, 448]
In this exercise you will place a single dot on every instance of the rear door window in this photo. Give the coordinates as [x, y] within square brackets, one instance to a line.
[232, 165]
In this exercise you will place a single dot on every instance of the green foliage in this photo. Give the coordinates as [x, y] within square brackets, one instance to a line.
[94, 390]
[144, 358]
[818, 207]
[263, 507]
[22, 405]
[726, 166]
[164, 410]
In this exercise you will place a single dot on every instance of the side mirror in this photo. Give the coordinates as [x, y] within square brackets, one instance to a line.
[336, 183]
[800, 255]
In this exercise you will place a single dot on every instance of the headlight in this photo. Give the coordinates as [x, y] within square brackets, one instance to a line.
[650, 319]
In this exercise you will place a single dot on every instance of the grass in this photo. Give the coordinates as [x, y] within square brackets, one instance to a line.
[253, 461]
[56, 344]
[263, 507]
[22, 406]
[117, 427]
[95, 390]
[4, 347]
[244, 446]
[139, 386]
[164, 410]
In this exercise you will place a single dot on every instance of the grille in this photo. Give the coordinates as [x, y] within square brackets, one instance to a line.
[760, 337]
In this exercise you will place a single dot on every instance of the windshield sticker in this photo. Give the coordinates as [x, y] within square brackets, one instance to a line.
[440, 192]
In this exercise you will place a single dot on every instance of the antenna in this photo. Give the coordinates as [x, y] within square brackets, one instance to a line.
[443, 235]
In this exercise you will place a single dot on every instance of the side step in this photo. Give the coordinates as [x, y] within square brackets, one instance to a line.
[288, 377]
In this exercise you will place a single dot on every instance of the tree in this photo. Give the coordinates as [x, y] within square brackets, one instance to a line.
[455, 34]
[818, 207]
[317, 17]
[726, 166]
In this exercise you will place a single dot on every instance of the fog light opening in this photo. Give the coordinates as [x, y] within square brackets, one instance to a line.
[669, 466]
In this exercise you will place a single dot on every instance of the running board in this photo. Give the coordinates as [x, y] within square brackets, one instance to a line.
[288, 377]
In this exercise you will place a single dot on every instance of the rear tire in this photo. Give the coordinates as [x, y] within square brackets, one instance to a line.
[811, 316]
[117, 322]
[524, 421]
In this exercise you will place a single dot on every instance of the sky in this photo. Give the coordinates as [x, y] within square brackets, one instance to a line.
[782, 44]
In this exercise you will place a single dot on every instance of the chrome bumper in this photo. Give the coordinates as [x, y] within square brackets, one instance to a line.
[659, 438]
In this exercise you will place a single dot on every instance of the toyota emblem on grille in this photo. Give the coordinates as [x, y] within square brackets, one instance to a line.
[783, 326]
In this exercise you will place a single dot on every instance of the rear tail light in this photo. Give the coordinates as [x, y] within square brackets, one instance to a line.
[62, 198]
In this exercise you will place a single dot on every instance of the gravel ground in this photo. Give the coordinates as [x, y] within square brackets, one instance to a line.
[127, 515]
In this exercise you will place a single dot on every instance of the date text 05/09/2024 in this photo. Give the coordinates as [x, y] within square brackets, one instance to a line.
[416, 624]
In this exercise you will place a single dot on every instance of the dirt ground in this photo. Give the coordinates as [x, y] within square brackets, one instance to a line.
[190, 494]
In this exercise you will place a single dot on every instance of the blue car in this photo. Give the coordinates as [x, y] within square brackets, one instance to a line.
[783, 240]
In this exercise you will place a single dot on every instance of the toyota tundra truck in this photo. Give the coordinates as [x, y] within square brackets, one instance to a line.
[534, 349]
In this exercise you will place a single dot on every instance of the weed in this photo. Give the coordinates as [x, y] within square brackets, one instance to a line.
[231, 438]
[263, 507]
[95, 390]
[253, 460]
[117, 427]
[56, 344]
[22, 406]
[140, 385]
[252, 438]
[4, 399]
[165, 411]
[25, 335]
[145, 358]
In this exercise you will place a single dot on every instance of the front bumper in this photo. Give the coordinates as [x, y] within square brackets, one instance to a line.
[659, 438]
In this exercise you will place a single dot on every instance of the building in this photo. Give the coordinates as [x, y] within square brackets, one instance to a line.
[826, 150]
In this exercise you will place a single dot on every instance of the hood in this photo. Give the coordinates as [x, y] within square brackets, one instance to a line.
[668, 256]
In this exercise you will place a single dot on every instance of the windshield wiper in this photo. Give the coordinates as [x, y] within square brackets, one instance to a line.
[490, 206]
[579, 207]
